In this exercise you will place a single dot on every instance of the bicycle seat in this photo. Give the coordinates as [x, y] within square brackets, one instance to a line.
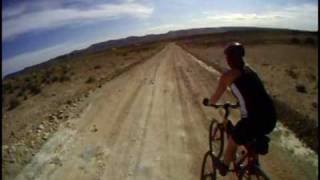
[260, 145]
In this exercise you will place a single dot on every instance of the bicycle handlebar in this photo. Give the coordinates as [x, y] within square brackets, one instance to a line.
[225, 106]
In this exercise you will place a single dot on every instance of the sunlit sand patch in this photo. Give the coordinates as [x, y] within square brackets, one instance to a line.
[290, 142]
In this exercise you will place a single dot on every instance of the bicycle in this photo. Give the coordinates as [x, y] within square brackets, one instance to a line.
[246, 164]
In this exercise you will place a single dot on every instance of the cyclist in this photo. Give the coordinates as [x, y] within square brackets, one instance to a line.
[258, 116]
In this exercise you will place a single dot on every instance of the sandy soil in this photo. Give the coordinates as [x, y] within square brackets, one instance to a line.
[148, 123]
[28, 126]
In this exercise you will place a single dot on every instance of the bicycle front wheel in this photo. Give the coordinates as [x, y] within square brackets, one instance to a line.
[216, 138]
[208, 172]
[253, 174]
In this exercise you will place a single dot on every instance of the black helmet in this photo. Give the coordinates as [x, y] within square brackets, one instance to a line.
[234, 48]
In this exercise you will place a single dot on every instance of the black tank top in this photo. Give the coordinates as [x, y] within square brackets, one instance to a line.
[252, 96]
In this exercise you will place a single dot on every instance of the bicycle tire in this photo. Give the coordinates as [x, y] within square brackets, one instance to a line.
[216, 139]
[208, 172]
[257, 174]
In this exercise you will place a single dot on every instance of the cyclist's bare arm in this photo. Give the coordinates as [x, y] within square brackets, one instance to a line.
[225, 80]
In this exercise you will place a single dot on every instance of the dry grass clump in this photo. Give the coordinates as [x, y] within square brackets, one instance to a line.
[295, 40]
[301, 88]
[13, 103]
[34, 87]
[310, 41]
[91, 79]
[292, 73]
[8, 88]
[97, 67]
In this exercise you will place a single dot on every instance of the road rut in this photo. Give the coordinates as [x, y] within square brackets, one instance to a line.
[147, 123]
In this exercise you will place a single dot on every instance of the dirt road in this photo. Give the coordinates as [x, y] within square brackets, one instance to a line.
[148, 123]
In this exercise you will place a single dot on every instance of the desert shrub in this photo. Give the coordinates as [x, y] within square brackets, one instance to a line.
[295, 40]
[314, 105]
[35, 90]
[64, 77]
[48, 72]
[97, 67]
[34, 87]
[21, 92]
[209, 44]
[292, 73]
[27, 79]
[311, 77]
[310, 41]
[91, 79]
[7, 88]
[301, 88]
[34, 77]
[65, 69]
[13, 103]
[54, 78]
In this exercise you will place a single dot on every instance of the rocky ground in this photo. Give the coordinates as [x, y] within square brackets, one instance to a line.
[149, 123]
[42, 104]
[29, 124]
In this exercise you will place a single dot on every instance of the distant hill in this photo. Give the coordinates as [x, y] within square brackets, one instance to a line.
[171, 35]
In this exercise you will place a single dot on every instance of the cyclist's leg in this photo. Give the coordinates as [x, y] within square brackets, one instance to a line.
[230, 151]
[241, 134]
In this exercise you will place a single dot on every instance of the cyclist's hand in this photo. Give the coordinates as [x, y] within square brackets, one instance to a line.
[206, 102]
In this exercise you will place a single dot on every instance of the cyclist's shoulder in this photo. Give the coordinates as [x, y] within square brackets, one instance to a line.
[232, 73]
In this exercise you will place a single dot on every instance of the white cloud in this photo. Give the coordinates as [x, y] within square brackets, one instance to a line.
[11, 12]
[303, 17]
[52, 18]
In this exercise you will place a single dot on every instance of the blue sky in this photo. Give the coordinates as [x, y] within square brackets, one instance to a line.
[34, 31]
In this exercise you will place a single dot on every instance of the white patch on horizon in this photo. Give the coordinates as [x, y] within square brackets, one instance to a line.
[303, 17]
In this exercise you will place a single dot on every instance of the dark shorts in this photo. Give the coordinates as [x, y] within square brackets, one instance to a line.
[248, 129]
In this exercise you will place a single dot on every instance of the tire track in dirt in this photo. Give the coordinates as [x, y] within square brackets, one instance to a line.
[193, 137]
[131, 139]
[123, 114]
[151, 125]
[149, 160]
[142, 131]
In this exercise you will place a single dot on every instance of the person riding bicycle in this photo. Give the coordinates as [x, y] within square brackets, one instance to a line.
[258, 115]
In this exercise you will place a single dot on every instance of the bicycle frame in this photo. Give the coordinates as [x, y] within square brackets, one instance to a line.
[251, 157]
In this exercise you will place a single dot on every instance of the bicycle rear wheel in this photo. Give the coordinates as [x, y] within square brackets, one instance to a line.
[254, 174]
[208, 172]
[216, 139]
